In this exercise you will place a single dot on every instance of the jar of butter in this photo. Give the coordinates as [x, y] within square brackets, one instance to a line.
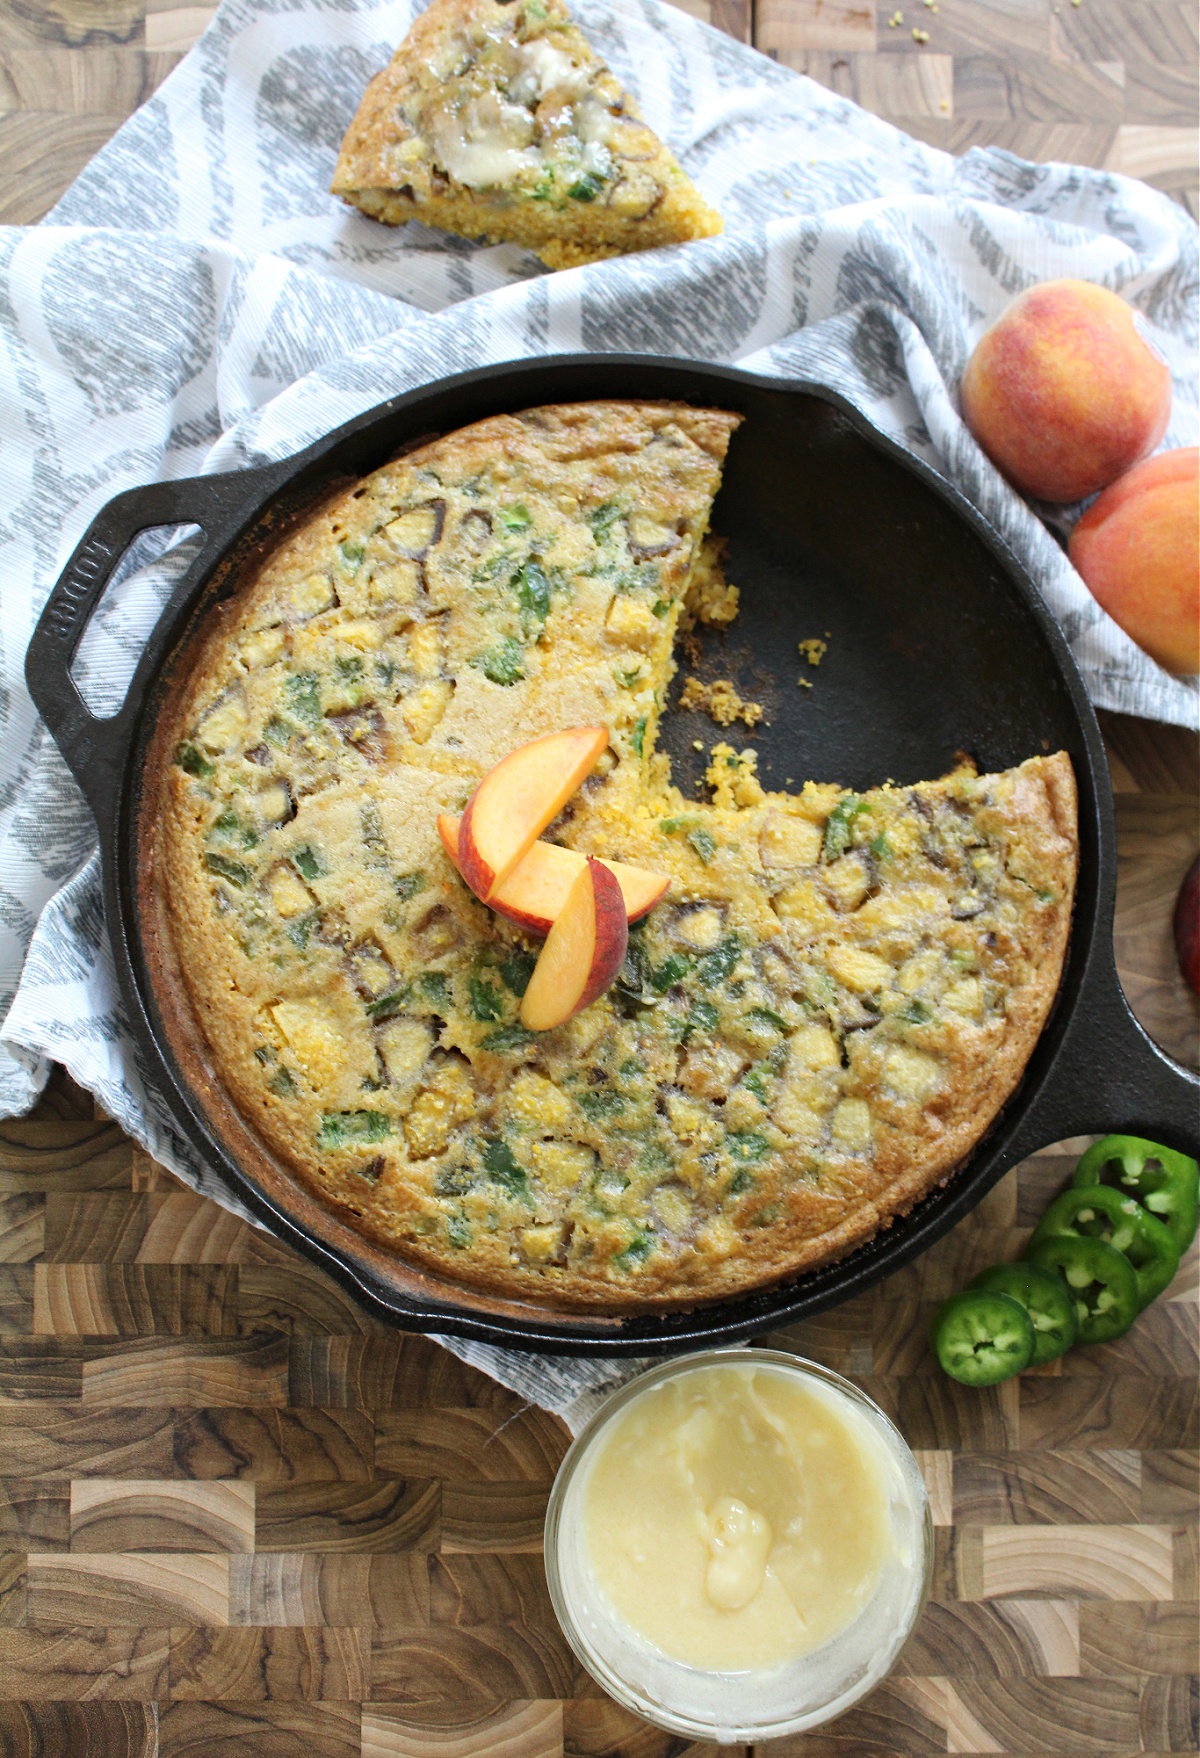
[738, 1545]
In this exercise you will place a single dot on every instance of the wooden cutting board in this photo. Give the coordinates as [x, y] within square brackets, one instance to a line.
[239, 1516]
[236, 1517]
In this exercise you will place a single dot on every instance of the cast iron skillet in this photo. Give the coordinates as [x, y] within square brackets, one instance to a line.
[938, 643]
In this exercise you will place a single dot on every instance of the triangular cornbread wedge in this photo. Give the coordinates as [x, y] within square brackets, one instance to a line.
[812, 1029]
[499, 121]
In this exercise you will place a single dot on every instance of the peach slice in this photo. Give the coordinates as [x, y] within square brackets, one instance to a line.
[584, 950]
[518, 798]
[536, 889]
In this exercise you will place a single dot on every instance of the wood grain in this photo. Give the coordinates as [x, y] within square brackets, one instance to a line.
[519, 1730]
[134, 1300]
[114, 1514]
[239, 1515]
[267, 1730]
[225, 1370]
[279, 1665]
[355, 1590]
[279, 1528]
[275, 1445]
[84, 1730]
[384, 1514]
[128, 1587]
[1094, 1562]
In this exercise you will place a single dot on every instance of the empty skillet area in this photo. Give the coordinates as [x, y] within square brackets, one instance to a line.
[931, 649]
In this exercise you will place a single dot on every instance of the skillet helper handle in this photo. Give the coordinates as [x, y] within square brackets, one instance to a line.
[92, 744]
[1109, 1076]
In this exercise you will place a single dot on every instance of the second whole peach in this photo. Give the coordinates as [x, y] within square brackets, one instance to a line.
[1138, 550]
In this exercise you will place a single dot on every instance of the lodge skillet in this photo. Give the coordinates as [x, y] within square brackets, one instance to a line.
[938, 643]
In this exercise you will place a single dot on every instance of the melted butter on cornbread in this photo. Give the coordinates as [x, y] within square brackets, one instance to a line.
[823, 1017]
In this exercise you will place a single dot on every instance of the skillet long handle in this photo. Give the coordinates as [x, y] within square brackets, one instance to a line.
[92, 745]
[1109, 1075]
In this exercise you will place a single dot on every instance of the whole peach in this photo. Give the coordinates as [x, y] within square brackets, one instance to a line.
[1063, 393]
[1138, 549]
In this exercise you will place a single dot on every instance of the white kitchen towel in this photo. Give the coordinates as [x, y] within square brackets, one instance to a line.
[198, 302]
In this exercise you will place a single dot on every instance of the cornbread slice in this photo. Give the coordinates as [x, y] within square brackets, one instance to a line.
[498, 120]
[812, 1030]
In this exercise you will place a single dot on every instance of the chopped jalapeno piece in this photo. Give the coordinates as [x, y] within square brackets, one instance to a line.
[503, 1169]
[839, 826]
[1164, 1181]
[1100, 1280]
[1097, 1211]
[596, 1106]
[343, 1129]
[190, 759]
[408, 884]
[702, 1017]
[981, 1338]
[384, 1006]
[487, 1003]
[672, 970]
[302, 693]
[1045, 1298]
[636, 1252]
[235, 871]
[501, 663]
[716, 965]
[509, 1037]
[516, 970]
[533, 594]
[702, 844]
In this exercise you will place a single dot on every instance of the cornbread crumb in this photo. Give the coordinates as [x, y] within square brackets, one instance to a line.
[710, 598]
[720, 701]
[733, 779]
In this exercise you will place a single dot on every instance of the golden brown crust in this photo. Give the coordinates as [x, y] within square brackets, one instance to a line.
[815, 1029]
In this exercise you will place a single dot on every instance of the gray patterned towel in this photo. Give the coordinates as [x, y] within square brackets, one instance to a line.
[198, 301]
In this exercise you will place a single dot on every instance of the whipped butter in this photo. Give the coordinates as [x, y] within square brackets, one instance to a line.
[738, 1546]
[736, 1517]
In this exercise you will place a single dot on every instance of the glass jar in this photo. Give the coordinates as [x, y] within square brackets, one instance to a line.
[761, 1703]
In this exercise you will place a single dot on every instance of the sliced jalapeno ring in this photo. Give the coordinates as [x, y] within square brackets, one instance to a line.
[1046, 1299]
[1097, 1211]
[1101, 1283]
[1164, 1181]
[981, 1339]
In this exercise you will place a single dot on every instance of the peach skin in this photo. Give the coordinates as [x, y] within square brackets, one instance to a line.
[583, 952]
[1138, 550]
[1063, 393]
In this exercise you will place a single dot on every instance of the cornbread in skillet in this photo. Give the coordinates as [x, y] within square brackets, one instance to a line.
[821, 1019]
[497, 120]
